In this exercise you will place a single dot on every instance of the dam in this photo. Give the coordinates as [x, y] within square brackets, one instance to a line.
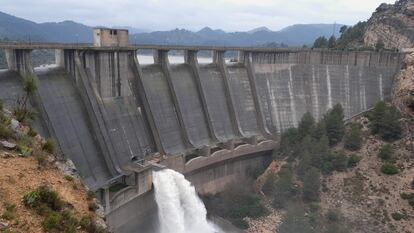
[119, 120]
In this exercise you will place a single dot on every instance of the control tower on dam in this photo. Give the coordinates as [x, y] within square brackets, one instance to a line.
[117, 119]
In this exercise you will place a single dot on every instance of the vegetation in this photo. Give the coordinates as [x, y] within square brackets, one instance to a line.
[351, 35]
[386, 152]
[10, 211]
[49, 146]
[236, 203]
[47, 203]
[353, 140]
[384, 121]
[353, 160]
[389, 169]
[334, 122]
[22, 112]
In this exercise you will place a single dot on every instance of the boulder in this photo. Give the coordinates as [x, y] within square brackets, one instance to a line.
[8, 145]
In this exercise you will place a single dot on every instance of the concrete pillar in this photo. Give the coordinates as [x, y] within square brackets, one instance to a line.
[107, 201]
[190, 58]
[138, 84]
[19, 60]
[261, 121]
[218, 58]
[161, 57]
[60, 57]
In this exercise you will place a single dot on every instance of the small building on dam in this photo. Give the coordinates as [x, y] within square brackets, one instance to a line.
[118, 120]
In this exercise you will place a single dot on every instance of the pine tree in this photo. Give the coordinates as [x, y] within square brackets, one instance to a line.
[334, 121]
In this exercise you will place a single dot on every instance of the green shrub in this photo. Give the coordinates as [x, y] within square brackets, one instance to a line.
[333, 215]
[23, 114]
[1, 105]
[89, 225]
[339, 161]
[284, 189]
[389, 169]
[68, 178]
[60, 222]
[41, 196]
[295, 221]
[32, 132]
[311, 185]
[49, 146]
[10, 212]
[270, 183]
[334, 122]
[384, 121]
[5, 132]
[386, 152]
[397, 216]
[411, 202]
[353, 160]
[240, 223]
[306, 125]
[29, 84]
[353, 140]
[407, 196]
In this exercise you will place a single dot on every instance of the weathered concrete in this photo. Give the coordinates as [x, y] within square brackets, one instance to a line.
[117, 112]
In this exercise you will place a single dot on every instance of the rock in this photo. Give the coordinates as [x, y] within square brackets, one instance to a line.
[3, 226]
[8, 145]
[15, 125]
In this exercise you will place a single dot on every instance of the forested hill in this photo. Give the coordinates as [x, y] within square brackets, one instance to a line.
[18, 29]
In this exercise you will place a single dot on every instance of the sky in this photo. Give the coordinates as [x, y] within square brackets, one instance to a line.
[229, 15]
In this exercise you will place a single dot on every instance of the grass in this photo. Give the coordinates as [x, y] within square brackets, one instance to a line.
[10, 212]
[49, 146]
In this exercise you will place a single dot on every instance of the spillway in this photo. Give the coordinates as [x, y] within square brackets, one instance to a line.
[180, 210]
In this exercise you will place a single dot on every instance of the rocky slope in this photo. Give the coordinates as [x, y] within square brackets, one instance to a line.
[24, 170]
[391, 24]
[403, 90]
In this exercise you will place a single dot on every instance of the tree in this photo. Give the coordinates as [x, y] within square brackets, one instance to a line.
[295, 221]
[320, 42]
[386, 152]
[306, 124]
[332, 42]
[384, 121]
[311, 185]
[343, 29]
[334, 121]
[353, 140]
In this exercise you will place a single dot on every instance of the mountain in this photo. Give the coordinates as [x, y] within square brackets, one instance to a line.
[295, 35]
[14, 28]
[259, 29]
[393, 25]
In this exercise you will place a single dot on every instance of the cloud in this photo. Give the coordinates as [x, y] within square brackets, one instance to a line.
[230, 15]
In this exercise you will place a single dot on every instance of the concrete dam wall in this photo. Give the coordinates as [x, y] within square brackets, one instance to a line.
[211, 122]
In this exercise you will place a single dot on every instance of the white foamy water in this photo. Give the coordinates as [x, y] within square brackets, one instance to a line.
[328, 84]
[174, 59]
[180, 210]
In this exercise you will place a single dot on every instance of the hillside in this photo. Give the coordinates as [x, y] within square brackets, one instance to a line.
[38, 191]
[391, 24]
[14, 28]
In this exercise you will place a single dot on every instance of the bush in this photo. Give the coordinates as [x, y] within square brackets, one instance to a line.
[68, 178]
[397, 216]
[23, 114]
[1, 105]
[333, 215]
[32, 132]
[339, 161]
[306, 125]
[295, 221]
[10, 212]
[41, 197]
[353, 140]
[49, 146]
[5, 132]
[353, 160]
[89, 225]
[389, 169]
[384, 121]
[334, 122]
[311, 185]
[386, 152]
[60, 222]
[284, 189]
